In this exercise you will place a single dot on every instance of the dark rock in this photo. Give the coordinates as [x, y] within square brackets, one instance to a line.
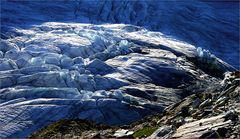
[222, 131]
[205, 103]
[185, 111]
[231, 115]
[210, 135]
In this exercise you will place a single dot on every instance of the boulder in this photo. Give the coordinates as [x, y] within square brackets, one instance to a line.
[198, 128]
[162, 132]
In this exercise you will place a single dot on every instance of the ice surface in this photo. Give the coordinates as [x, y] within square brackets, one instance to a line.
[54, 77]
[108, 73]
[210, 25]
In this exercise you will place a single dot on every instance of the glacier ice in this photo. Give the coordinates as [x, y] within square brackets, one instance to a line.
[78, 60]
[52, 78]
[99, 67]
[7, 64]
[205, 56]
[109, 73]
[206, 24]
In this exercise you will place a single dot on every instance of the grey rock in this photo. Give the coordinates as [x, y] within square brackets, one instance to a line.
[205, 103]
[221, 101]
[197, 128]
[162, 132]
[196, 103]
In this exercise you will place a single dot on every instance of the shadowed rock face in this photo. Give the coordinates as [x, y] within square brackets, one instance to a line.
[111, 73]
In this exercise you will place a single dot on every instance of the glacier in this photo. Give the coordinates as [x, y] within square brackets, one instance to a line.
[207, 24]
[67, 60]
